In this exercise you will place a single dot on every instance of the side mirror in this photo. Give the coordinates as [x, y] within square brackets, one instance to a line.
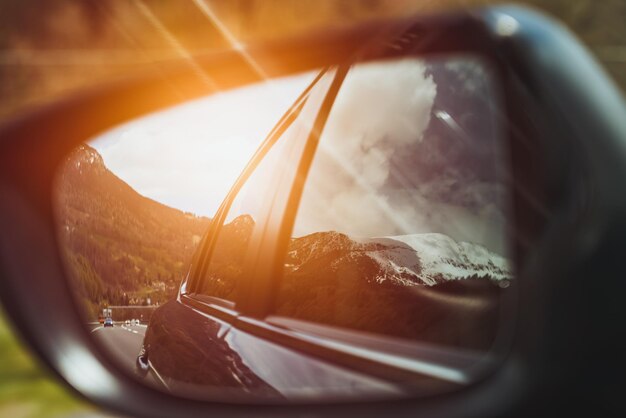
[412, 234]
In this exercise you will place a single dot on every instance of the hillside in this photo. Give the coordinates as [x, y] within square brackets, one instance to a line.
[120, 247]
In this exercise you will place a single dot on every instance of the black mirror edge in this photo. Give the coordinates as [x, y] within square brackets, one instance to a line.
[568, 308]
[28, 245]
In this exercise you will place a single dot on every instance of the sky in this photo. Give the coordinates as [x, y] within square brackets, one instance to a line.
[189, 156]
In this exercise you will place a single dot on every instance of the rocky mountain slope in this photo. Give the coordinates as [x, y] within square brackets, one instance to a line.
[418, 259]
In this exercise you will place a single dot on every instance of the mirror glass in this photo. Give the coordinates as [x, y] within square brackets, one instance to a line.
[382, 197]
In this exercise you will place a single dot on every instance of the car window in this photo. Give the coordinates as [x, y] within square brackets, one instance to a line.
[256, 199]
[401, 226]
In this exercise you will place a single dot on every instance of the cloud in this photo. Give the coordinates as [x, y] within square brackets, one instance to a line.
[364, 181]
[381, 108]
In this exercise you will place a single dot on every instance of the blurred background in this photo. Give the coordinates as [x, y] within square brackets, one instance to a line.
[51, 48]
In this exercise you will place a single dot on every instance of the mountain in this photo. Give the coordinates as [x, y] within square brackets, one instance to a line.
[422, 286]
[228, 257]
[417, 259]
[440, 259]
[120, 247]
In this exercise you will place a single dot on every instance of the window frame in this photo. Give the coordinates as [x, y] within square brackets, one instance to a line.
[203, 253]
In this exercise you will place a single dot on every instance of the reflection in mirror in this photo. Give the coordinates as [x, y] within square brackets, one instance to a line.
[396, 275]
[401, 226]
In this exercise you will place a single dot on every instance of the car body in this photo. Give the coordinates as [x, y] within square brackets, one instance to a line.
[108, 322]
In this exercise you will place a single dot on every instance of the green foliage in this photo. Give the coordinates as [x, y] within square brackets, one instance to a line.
[26, 390]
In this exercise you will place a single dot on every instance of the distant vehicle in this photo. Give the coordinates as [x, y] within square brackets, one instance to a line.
[108, 322]
[127, 322]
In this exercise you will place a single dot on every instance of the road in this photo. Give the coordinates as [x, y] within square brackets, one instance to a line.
[124, 343]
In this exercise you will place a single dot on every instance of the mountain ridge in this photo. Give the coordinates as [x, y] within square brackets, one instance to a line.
[425, 259]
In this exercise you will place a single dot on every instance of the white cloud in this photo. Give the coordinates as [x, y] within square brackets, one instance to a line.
[382, 111]
[381, 107]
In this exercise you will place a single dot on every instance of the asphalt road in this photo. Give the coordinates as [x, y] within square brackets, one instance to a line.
[124, 343]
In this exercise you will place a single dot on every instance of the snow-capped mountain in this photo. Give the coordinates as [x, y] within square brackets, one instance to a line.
[441, 258]
[417, 259]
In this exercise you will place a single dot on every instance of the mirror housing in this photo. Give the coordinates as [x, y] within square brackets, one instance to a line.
[568, 215]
